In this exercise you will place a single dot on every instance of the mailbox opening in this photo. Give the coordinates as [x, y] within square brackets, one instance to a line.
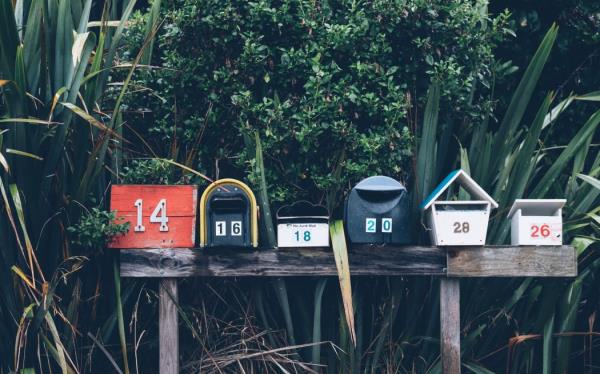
[229, 203]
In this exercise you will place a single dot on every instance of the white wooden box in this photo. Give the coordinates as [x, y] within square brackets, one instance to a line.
[536, 222]
[457, 223]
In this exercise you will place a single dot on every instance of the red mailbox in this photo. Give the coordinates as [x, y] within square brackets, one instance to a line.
[158, 216]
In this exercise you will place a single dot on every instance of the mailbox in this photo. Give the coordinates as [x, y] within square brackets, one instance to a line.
[158, 216]
[536, 222]
[228, 215]
[377, 212]
[302, 224]
[458, 222]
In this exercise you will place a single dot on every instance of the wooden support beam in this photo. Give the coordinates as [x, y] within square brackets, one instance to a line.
[450, 325]
[168, 328]
[240, 262]
[506, 261]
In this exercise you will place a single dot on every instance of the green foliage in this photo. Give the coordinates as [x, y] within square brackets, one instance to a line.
[151, 171]
[97, 228]
[330, 87]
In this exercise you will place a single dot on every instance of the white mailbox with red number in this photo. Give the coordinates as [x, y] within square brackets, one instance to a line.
[536, 222]
[458, 222]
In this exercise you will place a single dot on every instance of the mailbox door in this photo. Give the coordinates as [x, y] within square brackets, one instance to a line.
[158, 216]
[229, 220]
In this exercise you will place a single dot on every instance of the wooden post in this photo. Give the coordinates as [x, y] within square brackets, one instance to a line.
[168, 332]
[450, 325]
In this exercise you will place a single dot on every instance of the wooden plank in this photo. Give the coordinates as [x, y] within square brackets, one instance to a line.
[168, 330]
[450, 325]
[507, 261]
[228, 262]
[181, 205]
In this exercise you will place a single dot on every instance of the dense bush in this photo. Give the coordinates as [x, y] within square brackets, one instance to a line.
[329, 86]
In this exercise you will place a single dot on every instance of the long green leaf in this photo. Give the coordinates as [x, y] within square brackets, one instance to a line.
[340, 252]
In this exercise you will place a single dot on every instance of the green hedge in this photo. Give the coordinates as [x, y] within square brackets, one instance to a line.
[331, 86]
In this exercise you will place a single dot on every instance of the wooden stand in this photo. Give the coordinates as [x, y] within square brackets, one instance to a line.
[489, 261]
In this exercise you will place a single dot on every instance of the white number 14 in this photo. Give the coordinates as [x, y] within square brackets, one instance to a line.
[161, 209]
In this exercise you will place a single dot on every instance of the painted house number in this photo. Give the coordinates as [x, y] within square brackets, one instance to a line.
[159, 215]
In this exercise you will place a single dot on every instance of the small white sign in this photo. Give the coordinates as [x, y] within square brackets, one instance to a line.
[220, 228]
[386, 225]
[303, 235]
[371, 225]
[236, 228]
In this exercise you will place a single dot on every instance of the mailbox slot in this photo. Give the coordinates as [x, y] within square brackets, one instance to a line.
[228, 215]
[302, 224]
[377, 212]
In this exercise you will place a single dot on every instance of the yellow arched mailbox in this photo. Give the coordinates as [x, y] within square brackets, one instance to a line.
[228, 215]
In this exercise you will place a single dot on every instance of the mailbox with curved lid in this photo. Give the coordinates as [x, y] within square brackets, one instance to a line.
[377, 211]
[228, 215]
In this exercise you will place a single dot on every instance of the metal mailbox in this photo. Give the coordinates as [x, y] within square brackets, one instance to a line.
[377, 212]
[158, 216]
[302, 224]
[536, 222]
[458, 222]
[228, 215]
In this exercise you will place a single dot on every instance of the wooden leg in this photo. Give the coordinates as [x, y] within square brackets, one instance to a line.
[450, 325]
[168, 332]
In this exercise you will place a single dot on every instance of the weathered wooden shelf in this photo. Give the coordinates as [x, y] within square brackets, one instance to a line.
[489, 261]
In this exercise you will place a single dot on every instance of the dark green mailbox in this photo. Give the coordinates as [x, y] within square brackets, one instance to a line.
[377, 211]
[228, 215]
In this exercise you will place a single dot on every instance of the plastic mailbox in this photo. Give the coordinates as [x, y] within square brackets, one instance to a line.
[302, 224]
[536, 222]
[377, 212]
[458, 222]
[158, 216]
[228, 215]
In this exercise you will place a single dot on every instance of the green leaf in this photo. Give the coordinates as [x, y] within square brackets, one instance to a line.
[340, 252]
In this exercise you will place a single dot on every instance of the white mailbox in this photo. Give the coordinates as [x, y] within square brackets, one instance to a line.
[458, 222]
[536, 222]
[302, 224]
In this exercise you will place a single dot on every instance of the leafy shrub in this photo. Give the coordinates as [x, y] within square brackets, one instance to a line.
[96, 228]
[152, 171]
[329, 86]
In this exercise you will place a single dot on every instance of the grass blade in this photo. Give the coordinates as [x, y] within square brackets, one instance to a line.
[340, 252]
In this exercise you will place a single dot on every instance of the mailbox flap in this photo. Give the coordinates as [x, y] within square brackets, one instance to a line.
[537, 207]
[380, 183]
[303, 210]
